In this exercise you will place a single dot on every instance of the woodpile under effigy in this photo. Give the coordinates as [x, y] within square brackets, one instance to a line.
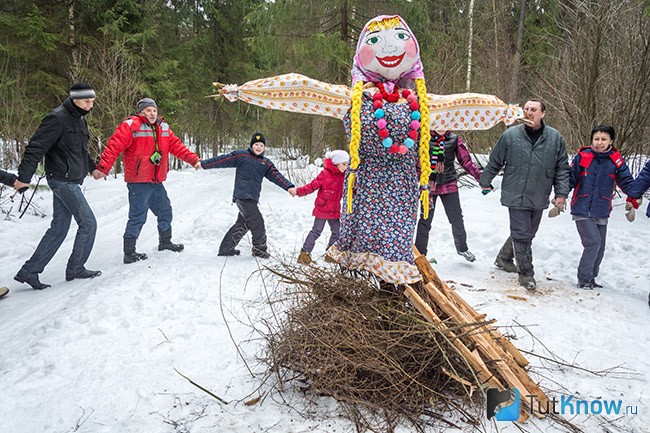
[417, 359]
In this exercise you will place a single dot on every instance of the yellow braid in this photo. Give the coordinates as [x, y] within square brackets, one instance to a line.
[355, 137]
[425, 136]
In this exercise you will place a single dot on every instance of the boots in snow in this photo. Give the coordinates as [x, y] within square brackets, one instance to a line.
[130, 256]
[261, 252]
[165, 242]
[505, 258]
[524, 257]
[467, 255]
[233, 252]
[31, 279]
[304, 258]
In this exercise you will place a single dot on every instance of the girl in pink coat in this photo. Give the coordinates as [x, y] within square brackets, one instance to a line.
[327, 207]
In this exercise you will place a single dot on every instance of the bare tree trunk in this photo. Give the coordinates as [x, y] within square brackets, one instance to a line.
[468, 83]
[516, 61]
[72, 40]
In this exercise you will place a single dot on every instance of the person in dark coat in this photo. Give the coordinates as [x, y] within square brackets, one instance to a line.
[445, 186]
[62, 138]
[534, 159]
[10, 179]
[252, 167]
[595, 172]
[327, 207]
[639, 187]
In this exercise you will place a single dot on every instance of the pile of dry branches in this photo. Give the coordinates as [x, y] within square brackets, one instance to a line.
[366, 346]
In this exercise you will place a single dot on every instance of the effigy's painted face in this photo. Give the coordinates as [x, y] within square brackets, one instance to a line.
[389, 52]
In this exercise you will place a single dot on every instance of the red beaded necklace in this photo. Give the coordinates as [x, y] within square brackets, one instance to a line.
[378, 104]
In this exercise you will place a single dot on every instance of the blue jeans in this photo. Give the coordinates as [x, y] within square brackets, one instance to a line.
[142, 197]
[69, 202]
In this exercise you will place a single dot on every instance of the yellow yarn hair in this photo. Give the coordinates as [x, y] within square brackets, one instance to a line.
[388, 23]
[355, 137]
[425, 137]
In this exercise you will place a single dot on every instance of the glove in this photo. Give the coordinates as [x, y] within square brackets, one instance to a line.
[486, 191]
[557, 208]
[633, 202]
[630, 211]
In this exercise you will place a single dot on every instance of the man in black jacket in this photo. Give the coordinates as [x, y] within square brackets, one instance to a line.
[62, 138]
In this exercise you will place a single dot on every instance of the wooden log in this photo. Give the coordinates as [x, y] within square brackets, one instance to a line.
[503, 362]
[431, 277]
[482, 371]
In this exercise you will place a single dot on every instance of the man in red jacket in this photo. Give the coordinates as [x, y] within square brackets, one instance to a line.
[145, 141]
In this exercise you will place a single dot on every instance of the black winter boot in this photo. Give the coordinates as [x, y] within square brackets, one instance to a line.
[130, 256]
[505, 258]
[261, 252]
[165, 242]
[524, 258]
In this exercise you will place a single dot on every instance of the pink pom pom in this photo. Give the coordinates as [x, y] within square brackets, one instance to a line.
[415, 125]
[381, 123]
[403, 149]
[411, 98]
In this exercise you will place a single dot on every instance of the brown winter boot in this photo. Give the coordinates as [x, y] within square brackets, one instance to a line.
[304, 258]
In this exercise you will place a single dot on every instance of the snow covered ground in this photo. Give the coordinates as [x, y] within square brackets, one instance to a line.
[100, 355]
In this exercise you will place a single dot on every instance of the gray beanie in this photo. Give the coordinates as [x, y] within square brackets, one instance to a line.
[144, 103]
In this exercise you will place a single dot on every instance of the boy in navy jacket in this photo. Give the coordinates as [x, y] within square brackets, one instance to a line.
[252, 167]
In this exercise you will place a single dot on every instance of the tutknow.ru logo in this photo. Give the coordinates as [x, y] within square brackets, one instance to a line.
[506, 405]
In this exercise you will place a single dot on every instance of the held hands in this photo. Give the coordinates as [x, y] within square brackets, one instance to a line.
[631, 204]
[486, 191]
[559, 205]
[293, 192]
[198, 166]
[98, 175]
[19, 186]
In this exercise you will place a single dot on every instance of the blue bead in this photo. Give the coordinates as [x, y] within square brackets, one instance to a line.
[415, 115]
[409, 142]
[379, 113]
[387, 142]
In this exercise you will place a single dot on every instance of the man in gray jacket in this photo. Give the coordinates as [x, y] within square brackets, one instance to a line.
[534, 159]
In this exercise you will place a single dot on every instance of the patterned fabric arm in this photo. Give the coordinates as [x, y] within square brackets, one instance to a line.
[292, 92]
[470, 111]
[301, 94]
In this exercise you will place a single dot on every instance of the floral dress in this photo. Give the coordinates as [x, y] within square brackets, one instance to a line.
[378, 235]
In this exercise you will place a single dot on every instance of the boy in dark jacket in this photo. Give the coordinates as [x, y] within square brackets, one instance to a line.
[252, 167]
[595, 172]
[327, 207]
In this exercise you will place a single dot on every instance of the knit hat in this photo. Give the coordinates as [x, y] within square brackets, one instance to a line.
[338, 156]
[144, 103]
[258, 137]
[82, 91]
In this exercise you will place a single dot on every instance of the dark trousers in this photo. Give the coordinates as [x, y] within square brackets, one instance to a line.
[249, 218]
[524, 224]
[593, 237]
[69, 202]
[317, 229]
[142, 197]
[451, 203]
